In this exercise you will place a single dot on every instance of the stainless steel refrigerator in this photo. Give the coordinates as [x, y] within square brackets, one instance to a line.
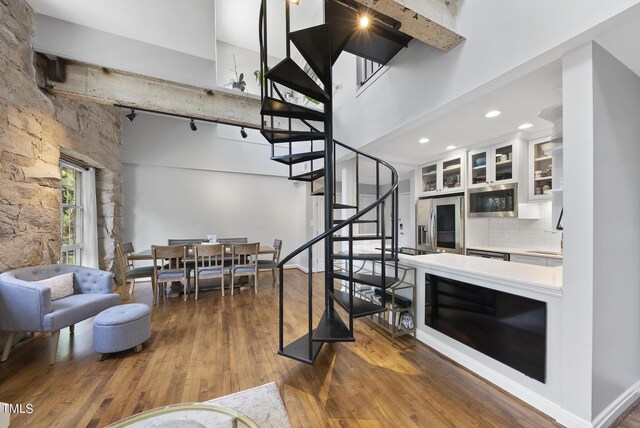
[440, 224]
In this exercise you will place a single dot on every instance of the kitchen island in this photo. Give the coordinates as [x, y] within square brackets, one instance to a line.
[536, 294]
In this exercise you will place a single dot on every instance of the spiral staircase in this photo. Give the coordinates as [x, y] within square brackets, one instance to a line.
[301, 137]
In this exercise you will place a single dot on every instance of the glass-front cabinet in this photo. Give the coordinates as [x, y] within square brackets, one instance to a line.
[540, 169]
[494, 165]
[445, 176]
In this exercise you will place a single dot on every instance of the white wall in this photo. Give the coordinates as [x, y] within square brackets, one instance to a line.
[616, 318]
[73, 41]
[184, 184]
[578, 261]
[165, 141]
[501, 37]
[601, 322]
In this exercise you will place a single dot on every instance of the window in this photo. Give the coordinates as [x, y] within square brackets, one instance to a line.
[365, 69]
[72, 214]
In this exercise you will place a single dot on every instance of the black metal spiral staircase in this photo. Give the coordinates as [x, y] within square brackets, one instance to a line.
[300, 135]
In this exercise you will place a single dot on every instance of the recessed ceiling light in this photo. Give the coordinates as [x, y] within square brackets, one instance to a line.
[363, 21]
[451, 147]
[492, 113]
[423, 140]
[525, 126]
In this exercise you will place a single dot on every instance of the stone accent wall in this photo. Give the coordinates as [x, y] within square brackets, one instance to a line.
[34, 129]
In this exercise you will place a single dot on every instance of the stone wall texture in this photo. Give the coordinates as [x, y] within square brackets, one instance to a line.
[34, 129]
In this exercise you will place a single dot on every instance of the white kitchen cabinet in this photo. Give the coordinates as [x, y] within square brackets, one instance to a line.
[535, 260]
[497, 164]
[540, 169]
[444, 176]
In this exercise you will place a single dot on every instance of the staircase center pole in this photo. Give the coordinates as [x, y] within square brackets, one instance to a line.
[329, 189]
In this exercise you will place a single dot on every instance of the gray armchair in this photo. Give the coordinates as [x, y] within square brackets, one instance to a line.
[26, 306]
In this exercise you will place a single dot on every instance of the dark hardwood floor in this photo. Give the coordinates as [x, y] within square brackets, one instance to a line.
[220, 345]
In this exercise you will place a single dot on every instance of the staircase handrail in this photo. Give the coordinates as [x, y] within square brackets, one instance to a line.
[334, 229]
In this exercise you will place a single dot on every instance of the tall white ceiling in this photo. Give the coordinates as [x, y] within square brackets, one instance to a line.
[186, 26]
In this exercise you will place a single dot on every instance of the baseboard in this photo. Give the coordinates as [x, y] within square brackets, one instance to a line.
[571, 420]
[299, 267]
[617, 407]
[532, 398]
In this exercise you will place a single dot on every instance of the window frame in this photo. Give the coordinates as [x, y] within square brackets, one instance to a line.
[79, 242]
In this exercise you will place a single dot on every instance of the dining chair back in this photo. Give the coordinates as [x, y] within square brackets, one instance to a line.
[244, 258]
[188, 242]
[209, 262]
[228, 241]
[129, 272]
[170, 265]
[272, 264]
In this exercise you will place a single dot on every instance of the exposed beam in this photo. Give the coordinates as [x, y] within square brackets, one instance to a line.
[429, 21]
[107, 86]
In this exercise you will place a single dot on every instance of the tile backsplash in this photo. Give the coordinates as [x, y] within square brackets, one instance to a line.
[517, 233]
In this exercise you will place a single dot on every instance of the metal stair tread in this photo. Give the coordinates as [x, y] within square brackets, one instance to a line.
[314, 45]
[309, 175]
[363, 256]
[299, 349]
[284, 136]
[362, 278]
[361, 307]
[274, 107]
[336, 221]
[344, 207]
[289, 74]
[290, 159]
[360, 238]
[332, 329]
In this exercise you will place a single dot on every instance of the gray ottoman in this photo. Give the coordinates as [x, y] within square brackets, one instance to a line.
[121, 327]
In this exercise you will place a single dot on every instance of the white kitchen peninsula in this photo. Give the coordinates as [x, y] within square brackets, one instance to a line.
[539, 283]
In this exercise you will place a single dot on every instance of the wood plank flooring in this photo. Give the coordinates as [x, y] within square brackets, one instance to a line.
[220, 345]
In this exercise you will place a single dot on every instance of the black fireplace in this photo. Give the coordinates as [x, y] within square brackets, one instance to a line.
[509, 328]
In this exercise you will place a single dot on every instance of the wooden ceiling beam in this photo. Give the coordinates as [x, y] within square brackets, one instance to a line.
[430, 21]
[107, 86]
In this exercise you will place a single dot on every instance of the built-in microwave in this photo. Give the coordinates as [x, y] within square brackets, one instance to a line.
[493, 201]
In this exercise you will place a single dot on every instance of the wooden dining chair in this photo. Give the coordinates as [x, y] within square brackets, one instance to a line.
[244, 259]
[169, 266]
[272, 265]
[228, 242]
[209, 262]
[130, 273]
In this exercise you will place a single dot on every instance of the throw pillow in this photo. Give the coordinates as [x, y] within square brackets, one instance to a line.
[61, 285]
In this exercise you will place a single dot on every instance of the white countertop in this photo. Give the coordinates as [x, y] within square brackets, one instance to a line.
[473, 269]
[519, 251]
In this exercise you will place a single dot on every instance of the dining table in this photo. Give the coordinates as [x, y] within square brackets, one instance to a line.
[148, 255]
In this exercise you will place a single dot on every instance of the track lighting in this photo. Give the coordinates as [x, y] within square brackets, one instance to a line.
[243, 132]
[192, 125]
[363, 21]
[131, 115]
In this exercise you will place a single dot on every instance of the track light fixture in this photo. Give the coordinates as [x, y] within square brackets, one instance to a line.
[243, 132]
[131, 115]
[192, 125]
[363, 21]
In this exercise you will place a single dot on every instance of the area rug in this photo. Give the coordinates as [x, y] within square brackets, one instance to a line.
[262, 404]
